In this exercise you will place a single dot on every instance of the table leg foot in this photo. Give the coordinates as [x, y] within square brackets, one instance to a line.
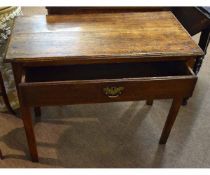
[170, 120]
[184, 101]
[149, 102]
[37, 111]
[27, 121]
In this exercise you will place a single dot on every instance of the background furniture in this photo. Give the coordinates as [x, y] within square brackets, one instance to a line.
[7, 15]
[4, 95]
[196, 20]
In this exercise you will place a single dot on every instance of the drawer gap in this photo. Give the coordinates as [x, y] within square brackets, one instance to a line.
[106, 71]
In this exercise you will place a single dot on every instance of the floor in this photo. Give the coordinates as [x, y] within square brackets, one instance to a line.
[114, 135]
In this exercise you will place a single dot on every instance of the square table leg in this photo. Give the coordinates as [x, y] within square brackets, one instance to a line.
[17, 72]
[170, 119]
[25, 114]
[28, 125]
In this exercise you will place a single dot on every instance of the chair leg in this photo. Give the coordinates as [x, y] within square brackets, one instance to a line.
[203, 43]
[4, 95]
[170, 120]
[8, 106]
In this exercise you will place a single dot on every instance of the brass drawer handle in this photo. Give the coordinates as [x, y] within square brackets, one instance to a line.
[113, 92]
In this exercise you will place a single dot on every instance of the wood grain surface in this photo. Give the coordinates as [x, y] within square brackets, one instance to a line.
[110, 35]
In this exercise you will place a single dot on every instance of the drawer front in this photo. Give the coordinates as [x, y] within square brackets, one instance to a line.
[99, 91]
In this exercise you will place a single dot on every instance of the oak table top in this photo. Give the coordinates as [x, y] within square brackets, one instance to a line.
[100, 37]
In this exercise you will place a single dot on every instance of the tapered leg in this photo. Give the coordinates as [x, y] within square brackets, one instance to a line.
[170, 119]
[149, 102]
[37, 111]
[27, 121]
[25, 114]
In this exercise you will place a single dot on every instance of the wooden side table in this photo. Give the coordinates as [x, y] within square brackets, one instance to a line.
[77, 59]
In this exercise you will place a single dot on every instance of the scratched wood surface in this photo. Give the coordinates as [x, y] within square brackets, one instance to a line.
[95, 36]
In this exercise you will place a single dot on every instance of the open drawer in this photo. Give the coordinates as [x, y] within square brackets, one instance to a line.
[94, 83]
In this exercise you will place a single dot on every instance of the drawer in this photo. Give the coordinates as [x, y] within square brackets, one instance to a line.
[98, 83]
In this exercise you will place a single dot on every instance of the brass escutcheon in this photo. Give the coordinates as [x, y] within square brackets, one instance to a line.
[113, 92]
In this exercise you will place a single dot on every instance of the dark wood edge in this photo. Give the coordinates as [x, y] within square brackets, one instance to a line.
[95, 60]
[145, 79]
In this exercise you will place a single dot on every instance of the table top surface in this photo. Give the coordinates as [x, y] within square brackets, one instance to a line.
[100, 36]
